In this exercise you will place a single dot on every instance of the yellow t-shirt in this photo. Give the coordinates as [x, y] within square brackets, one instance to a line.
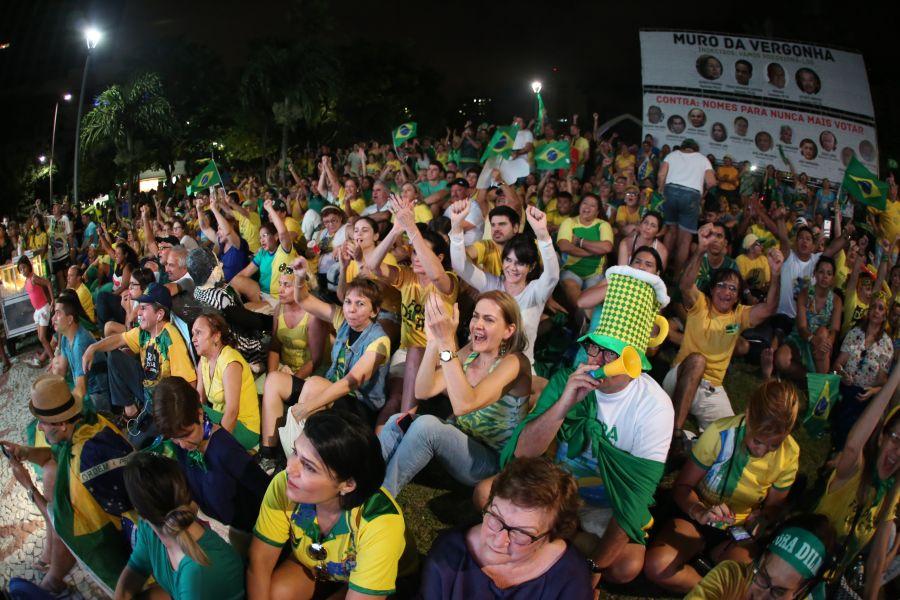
[248, 411]
[488, 257]
[841, 506]
[727, 581]
[293, 226]
[87, 301]
[735, 477]
[357, 204]
[596, 231]
[363, 548]
[390, 297]
[162, 356]
[626, 217]
[713, 335]
[248, 227]
[422, 213]
[755, 271]
[624, 163]
[412, 310]
[583, 146]
[294, 342]
[37, 240]
[841, 270]
[766, 238]
[854, 310]
[889, 220]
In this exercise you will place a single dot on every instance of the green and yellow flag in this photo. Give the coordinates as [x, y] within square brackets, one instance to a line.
[862, 184]
[502, 142]
[208, 177]
[824, 389]
[552, 155]
[405, 131]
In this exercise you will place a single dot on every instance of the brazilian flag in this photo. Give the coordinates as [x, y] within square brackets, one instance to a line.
[405, 131]
[552, 155]
[824, 389]
[208, 177]
[502, 142]
[862, 184]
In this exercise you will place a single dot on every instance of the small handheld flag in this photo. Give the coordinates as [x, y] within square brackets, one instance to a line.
[541, 115]
[552, 155]
[502, 142]
[208, 177]
[403, 132]
[824, 389]
[862, 184]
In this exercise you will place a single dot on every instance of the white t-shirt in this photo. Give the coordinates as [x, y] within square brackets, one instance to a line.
[687, 169]
[373, 208]
[638, 420]
[475, 218]
[310, 223]
[521, 164]
[189, 242]
[795, 276]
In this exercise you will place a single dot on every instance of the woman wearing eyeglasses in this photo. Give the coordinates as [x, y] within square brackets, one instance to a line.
[345, 531]
[519, 550]
[741, 470]
[790, 567]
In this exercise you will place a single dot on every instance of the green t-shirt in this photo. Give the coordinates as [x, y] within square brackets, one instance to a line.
[428, 189]
[223, 579]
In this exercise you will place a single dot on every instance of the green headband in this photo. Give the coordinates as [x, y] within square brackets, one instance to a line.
[800, 549]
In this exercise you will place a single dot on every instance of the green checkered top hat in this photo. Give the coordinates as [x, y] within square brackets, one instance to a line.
[631, 308]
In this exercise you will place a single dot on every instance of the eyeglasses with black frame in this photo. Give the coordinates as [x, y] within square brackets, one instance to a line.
[516, 535]
[593, 350]
[763, 581]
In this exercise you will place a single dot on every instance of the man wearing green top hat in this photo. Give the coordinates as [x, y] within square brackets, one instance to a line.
[611, 431]
[789, 568]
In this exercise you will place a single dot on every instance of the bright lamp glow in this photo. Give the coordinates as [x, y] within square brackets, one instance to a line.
[536, 87]
[42, 159]
[92, 36]
[67, 97]
[752, 167]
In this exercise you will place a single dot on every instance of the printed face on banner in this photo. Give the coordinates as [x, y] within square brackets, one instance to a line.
[758, 99]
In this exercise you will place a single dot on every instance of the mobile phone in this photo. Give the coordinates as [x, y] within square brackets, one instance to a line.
[404, 422]
[827, 229]
[739, 534]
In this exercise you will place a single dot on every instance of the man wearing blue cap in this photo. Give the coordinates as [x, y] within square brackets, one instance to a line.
[159, 346]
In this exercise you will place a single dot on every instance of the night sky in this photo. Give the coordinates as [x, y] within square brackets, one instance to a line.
[586, 54]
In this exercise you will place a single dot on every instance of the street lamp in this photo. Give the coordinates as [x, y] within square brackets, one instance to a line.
[92, 37]
[42, 159]
[536, 87]
[67, 97]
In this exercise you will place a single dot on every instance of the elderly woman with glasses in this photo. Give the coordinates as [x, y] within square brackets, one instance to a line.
[519, 549]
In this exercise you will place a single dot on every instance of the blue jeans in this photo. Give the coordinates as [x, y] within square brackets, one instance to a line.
[466, 459]
[682, 207]
[126, 379]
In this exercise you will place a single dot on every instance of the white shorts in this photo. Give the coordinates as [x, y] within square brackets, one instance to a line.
[595, 519]
[710, 402]
[398, 364]
[42, 316]
[290, 432]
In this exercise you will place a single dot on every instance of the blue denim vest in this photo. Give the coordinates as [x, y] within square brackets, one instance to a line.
[372, 392]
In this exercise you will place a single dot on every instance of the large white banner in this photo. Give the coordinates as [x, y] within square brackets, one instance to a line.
[746, 96]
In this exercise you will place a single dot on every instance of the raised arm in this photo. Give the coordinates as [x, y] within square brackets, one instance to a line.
[688, 282]
[284, 236]
[762, 311]
[149, 237]
[308, 302]
[231, 235]
[431, 264]
[459, 258]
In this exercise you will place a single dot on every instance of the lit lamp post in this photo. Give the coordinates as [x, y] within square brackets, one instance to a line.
[92, 38]
[67, 97]
[536, 88]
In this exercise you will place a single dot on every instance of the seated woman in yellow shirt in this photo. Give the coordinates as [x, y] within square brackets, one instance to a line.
[343, 531]
[224, 380]
[740, 473]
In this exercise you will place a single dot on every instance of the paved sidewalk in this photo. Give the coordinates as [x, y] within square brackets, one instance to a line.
[22, 527]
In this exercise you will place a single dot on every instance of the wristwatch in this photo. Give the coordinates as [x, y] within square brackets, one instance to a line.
[446, 356]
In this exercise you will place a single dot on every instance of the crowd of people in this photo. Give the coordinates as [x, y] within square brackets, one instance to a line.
[284, 353]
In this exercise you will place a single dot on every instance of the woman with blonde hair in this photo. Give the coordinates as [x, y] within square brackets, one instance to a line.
[168, 534]
[741, 470]
[488, 382]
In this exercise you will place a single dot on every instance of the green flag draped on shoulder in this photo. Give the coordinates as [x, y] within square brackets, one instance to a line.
[502, 142]
[824, 389]
[403, 132]
[541, 115]
[208, 177]
[630, 481]
[552, 155]
[862, 184]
